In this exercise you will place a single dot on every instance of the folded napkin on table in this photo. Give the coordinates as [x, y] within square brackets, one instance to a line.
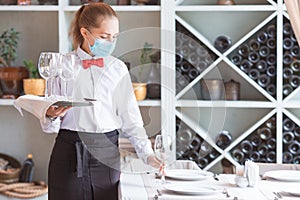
[36, 105]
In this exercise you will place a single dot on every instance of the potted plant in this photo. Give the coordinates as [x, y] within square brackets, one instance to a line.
[11, 77]
[34, 85]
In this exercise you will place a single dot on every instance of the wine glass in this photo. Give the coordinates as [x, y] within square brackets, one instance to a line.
[47, 65]
[67, 72]
[162, 148]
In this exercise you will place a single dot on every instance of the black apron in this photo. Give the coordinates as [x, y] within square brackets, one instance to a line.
[84, 166]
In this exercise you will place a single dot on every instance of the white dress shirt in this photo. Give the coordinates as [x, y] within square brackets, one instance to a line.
[116, 106]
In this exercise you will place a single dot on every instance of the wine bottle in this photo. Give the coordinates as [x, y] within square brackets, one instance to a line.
[202, 52]
[271, 89]
[288, 137]
[254, 156]
[184, 50]
[287, 89]
[263, 80]
[262, 37]
[245, 65]
[222, 43]
[185, 67]
[196, 142]
[271, 59]
[287, 157]
[264, 51]
[271, 43]
[287, 73]
[271, 157]
[223, 139]
[271, 31]
[287, 43]
[287, 29]
[262, 149]
[201, 66]
[295, 65]
[297, 132]
[254, 45]
[236, 59]
[293, 37]
[264, 133]
[296, 160]
[184, 136]
[243, 50]
[246, 146]
[213, 154]
[205, 149]
[193, 44]
[271, 143]
[193, 73]
[253, 57]
[238, 156]
[288, 125]
[295, 51]
[255, 140]
[202, 162]
[193, 155]
[254, 74]
[287, 58]
[271, 123]
[193, 58]
[294, 147]
[295, 81]
[179, 59]
[26, 174]
[261, 65]
[271, 71]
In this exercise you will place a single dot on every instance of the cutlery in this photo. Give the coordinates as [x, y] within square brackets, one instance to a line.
[158, 192]
[89, 99]
[215, 177]
[226, 193]
[277, 194]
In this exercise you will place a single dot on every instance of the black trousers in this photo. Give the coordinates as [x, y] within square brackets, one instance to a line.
[84, 166]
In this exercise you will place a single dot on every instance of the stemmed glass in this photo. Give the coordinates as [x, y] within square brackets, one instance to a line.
[67, 72]
[48, 66]
[162, 147]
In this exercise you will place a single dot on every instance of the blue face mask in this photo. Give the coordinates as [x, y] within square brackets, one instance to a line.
[102, 48]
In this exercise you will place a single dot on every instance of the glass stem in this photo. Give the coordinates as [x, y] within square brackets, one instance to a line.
[46, 88]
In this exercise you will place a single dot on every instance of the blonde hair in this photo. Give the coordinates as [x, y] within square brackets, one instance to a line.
[89, 16]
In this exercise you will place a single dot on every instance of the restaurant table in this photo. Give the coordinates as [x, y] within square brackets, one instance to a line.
[144, 185]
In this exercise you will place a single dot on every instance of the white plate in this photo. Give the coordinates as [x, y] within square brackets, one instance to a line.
[284, 175]
[73, 103]
[188, 174]
[190, 189]
[293, 191]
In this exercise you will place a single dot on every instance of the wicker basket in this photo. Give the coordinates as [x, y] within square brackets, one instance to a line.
[12, 176]
[34, 86]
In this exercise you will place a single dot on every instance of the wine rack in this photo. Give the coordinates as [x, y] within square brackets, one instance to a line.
[259, 146]
[257, 58]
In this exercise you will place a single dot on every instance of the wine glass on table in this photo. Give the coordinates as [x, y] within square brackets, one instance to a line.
[67, 72]
[162, 149]
[47, 65]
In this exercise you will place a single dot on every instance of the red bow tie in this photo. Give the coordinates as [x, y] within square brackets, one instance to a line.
[88, 63]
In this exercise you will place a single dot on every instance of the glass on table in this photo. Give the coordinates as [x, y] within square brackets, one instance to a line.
[48, 67]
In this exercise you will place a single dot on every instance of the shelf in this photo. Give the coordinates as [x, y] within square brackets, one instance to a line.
[230, 104]
[120, 8]
[6, 102]
[30, 8]
[208, 8]
[146, 103]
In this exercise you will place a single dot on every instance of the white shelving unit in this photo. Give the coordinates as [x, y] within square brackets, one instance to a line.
[205, 21]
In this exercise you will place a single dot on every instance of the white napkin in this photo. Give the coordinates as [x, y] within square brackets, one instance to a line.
[36, 105]
[251, 172]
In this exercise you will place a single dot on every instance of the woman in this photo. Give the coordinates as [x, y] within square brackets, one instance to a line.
[84, 163]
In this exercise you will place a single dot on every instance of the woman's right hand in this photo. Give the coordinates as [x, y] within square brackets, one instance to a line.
[57, 111]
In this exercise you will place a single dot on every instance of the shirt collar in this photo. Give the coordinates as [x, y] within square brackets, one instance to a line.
[85, 56]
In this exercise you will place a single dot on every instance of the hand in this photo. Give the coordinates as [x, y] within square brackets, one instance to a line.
[153, 161]
[54, 111]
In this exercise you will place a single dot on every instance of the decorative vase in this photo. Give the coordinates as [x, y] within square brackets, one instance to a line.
[48, 2]
[212, 89]
[11, 81]
[34, 86]
[226, 2]
[153, 82]
[8, 2]
[140, 91]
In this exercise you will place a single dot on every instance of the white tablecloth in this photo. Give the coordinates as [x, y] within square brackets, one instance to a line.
[143, 186]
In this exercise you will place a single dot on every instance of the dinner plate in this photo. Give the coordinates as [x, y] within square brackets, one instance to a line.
[188, 174]
[284, 175]
[73, 103]
[190, 189]
[292, 191]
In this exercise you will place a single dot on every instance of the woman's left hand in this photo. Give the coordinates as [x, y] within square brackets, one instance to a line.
[153, 161]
